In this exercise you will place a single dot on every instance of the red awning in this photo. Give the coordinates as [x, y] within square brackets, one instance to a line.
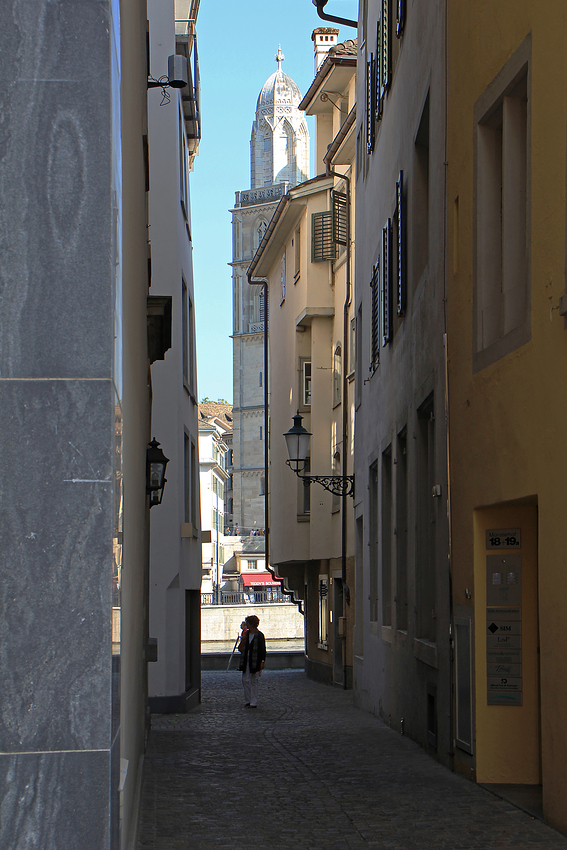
[259, 580]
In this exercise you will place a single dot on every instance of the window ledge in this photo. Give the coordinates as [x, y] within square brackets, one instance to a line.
[303, 517]
[388, 634]
[426, 651]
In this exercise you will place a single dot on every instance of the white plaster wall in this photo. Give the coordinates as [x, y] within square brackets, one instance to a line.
[175, 562]
[222, 622]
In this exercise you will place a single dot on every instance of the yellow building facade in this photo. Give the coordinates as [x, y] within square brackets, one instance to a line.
[507, 378]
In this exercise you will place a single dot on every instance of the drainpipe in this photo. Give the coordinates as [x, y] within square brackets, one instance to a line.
[320, 4]
[346, 590]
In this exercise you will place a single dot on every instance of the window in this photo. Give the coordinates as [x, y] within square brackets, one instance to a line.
[400, 17]
[352, 347]
[322, 245]
[282, 278]
[425, 566]
[373, 541]
[375, 318]
[501, 315]
[358, 355]
[187, 476]
[252, 565]
[337, 375]
[306, 383]
[261, 432]
[386, 523]
[260, 380]
[402, 533]
[323, 612]
[304, 493]
[399, 245]
[386, 283]
[262, 227]
[297, 254]
[420, 235]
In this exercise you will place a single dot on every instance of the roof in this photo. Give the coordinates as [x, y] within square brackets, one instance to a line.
[209, 410]
[341, 54]
[278, 89]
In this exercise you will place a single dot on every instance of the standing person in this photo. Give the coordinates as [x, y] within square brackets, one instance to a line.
[253, 658]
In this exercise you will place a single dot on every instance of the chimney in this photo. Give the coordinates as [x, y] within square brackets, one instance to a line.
[323, 39]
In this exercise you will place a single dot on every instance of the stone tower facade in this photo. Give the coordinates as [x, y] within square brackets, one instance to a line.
[279, 158]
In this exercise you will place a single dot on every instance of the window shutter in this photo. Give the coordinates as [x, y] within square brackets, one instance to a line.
[383, 52]
[400, 17]
[370, 87]
[339, 218]
[378, 80]
[386, 45]
[375, 328]
[322, 245]
[386, 284]
[400, 246]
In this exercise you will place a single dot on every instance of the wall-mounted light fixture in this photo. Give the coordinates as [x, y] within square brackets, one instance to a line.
[297, 442]
[156, 463]
[177, 77]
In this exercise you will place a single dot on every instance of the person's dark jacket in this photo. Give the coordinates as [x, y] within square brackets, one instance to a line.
[257, 652]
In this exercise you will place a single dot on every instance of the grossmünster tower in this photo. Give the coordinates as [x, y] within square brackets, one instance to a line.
[279, 159]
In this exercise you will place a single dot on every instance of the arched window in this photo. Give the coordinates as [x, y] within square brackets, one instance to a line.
[262, 227]
[337, 375]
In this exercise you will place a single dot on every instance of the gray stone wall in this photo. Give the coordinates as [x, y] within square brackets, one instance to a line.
[59, 219]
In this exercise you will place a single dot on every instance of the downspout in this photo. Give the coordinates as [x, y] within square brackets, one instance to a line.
[320, 4]
[452, 695]
[344, 472]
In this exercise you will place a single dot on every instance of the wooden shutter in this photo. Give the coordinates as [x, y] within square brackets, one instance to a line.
[370, 87]
[386, 283]
[375, 328]
[339, 218]
[401, 286]
[322, 245]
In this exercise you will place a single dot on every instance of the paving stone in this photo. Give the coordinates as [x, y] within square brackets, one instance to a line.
[308, 770]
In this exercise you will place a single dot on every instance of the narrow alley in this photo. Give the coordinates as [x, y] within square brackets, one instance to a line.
[307, 769]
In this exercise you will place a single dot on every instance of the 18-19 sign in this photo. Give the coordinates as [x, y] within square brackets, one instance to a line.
[503, 538]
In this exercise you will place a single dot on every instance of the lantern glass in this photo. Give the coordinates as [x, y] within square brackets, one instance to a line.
[297, 442]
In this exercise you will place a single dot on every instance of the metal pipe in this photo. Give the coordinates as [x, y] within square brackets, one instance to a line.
[320, 4]
[346, 591]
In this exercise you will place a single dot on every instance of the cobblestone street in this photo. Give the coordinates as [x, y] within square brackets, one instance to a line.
[306, 769]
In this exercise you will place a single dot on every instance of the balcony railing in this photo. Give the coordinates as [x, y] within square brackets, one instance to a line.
[240, 597]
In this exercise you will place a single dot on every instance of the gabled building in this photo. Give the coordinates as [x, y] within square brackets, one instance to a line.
[175, 570]
[402, 646]
[279, 158]
[305, 258]
[215, 423]
[507, 370]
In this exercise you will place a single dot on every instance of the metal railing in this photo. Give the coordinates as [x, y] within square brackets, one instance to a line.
[244, 597]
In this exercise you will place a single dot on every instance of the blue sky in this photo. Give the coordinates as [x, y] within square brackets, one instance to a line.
[237, 43]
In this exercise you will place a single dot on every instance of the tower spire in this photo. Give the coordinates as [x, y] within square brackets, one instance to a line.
[279, 57]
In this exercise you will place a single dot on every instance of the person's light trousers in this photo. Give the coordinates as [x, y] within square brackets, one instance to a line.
[250, 682]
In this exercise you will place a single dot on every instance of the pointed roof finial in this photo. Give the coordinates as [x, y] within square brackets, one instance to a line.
[279, 57]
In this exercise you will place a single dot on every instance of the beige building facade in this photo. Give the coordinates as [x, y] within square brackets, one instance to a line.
[307, 264]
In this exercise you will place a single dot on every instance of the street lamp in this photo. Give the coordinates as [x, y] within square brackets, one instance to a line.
[156, 463]
[297, 442]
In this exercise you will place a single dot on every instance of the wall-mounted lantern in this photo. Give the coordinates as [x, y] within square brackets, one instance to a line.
[297, 441]
[156, 463]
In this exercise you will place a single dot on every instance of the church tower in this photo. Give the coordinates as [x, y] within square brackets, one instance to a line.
[279, 159]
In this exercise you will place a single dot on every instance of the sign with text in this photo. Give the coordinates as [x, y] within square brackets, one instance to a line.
[503, 625]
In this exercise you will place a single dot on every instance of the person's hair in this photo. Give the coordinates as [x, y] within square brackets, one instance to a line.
[253, 620]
